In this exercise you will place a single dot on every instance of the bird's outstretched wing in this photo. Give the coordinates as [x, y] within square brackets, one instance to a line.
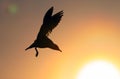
[48, 16]
[55, 20]
[49, 22]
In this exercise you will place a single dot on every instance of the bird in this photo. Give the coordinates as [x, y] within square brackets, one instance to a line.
[50, 21]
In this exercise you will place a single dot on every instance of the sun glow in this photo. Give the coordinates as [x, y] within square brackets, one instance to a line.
[99, 70]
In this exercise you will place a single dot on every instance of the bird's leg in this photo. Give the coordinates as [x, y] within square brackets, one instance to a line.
[36, 52]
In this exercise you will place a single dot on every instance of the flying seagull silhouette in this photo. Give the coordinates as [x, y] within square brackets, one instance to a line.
[49, 23]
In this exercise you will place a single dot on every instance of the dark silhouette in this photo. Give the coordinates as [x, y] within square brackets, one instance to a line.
[49, 23]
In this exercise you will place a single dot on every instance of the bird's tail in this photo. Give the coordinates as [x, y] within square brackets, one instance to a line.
[31, 46]
[27, 48]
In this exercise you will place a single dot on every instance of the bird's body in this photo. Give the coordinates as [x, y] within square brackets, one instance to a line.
[44, 42]
[49, 23]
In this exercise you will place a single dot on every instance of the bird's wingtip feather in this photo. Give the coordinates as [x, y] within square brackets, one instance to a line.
[52, 7]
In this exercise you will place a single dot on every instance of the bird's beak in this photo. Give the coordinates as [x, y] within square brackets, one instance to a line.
[60, 50]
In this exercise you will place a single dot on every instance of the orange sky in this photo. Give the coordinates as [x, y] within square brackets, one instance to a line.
[89, 30]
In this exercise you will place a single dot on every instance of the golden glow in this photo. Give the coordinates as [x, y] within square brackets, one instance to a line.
[86, 33]
[99, 70]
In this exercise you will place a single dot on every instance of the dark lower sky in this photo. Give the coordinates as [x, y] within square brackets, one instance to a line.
[89, 30]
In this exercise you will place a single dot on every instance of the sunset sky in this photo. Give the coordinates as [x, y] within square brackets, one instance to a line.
[89, 31]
